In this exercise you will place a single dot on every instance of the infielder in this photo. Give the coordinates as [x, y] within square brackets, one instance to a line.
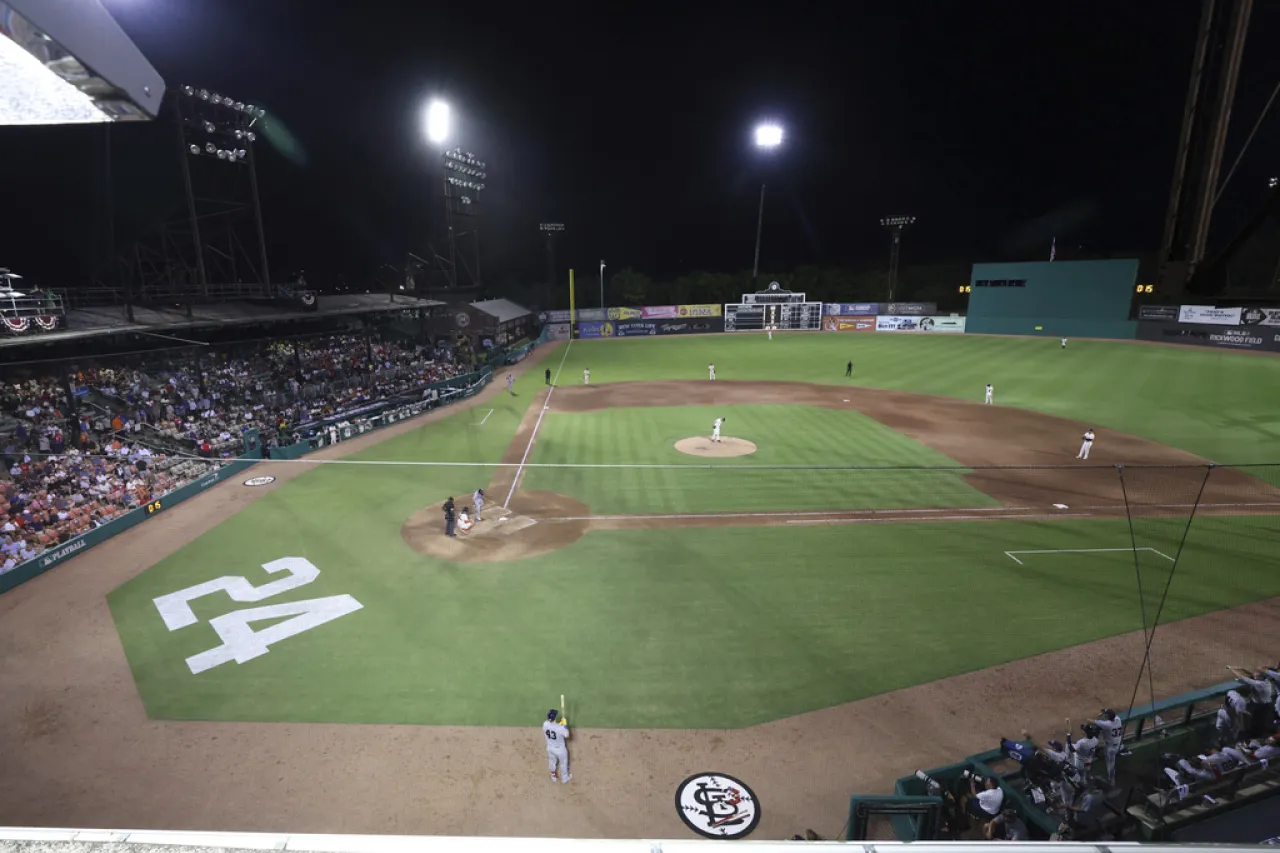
[556, 735]
[711, 368]
[477, 498]
[1112, 740]
[511, 384]
[991, 394]
[715, 429]
[586, 376]
[1086, 443]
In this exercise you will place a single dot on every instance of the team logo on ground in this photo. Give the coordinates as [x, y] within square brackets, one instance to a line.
[259, 481]
[717, 806]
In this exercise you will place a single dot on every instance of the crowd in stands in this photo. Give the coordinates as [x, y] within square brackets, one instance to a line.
[138, 431]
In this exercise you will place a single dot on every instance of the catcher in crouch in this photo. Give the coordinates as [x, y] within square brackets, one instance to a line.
[715, 429]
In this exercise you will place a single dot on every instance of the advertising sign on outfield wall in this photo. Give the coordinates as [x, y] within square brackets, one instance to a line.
[1208, 315]
[595, 330]
[683, 311]
[660, 312]
[558, 331]
[642, 328]
[911, 309]
[920, 324]
[851, 309]
[1158, 312]
[1223, 337]
[849, 324]
[1260, 317]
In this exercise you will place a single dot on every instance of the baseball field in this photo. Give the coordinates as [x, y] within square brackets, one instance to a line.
[869, 574]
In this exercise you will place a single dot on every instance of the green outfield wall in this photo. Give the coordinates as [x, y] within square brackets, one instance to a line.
[1085, 299]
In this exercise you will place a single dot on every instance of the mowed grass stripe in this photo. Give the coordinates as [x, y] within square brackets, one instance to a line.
[784, 435]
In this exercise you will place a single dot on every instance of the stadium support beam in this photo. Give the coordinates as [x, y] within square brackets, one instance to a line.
[1210, 94]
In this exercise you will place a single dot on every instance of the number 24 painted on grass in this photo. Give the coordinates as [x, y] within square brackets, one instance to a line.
[240, 643]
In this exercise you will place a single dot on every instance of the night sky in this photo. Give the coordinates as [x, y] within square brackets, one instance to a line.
[1000, 125]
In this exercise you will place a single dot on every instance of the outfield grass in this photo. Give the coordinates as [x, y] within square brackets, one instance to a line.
[1210, 402]
[785, 435]
[710, 627]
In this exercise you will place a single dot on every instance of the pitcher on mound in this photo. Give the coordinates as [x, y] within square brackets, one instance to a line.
[715, 429]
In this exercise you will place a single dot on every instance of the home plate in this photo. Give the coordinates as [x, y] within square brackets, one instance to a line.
[1061, 506]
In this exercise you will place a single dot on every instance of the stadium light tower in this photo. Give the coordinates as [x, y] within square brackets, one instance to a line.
[895, 224]
[549, 230]
[768, 139]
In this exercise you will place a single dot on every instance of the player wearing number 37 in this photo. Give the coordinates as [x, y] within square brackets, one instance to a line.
[556, 734]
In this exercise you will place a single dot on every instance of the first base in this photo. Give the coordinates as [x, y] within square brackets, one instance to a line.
[1060, 506]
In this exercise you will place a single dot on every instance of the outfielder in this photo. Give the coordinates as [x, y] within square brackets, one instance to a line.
[477, 498]
[556, 735]
[991, 394]
[1086, 444]
[711, 368]
[715, 429]
[1064, 343]
[511, 384]
[770, 333]
[1112, 739]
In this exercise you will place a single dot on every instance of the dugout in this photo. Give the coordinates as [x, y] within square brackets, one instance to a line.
[1086, 299]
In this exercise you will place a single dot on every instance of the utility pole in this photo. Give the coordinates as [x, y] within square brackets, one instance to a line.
[895, 224]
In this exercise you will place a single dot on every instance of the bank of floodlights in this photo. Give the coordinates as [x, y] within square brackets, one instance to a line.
[550, 227]
[227, 124]
[897, 221]
[464, 171]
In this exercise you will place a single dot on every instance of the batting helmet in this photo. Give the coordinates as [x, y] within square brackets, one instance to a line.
[1090, 730]
[1055, 745]
[1108, 714]
[552, 714]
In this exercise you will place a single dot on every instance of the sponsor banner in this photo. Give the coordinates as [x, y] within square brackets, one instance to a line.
[642, 328]
[625, 313]
[1158, 312]
[592, 315]
[594, 330]
[936, 323]
[851, 309]
[699, 311]
[557, 316]
[911, 309]
[558, 331]
[1208, 315]
[849, 324]
[259, 481]
[660, 312]
[1260, 317]
[1206, 335]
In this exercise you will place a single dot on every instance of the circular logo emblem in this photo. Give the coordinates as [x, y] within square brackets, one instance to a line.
[926, 324]
[308, 298]
[606, 330]
[773, 285]
[717, 806]
[1252, 316]
[259, 481]
[462, 319]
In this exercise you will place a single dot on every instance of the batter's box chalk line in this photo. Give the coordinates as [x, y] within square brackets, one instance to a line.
[1010, 554]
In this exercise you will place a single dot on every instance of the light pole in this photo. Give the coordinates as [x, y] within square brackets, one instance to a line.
[895, 224]
[602, 284]
[550, 229]
[768, 138]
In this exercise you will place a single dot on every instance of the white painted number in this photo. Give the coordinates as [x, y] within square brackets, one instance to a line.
[240, 643]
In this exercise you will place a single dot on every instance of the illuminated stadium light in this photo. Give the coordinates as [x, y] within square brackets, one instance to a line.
[437, 122]
[216, 125]
[768, 135]
[897, 221]
[70, 63]
[1273, 182]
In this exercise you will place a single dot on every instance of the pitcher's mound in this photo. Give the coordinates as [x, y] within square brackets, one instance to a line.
[504, 534]
[703, 446]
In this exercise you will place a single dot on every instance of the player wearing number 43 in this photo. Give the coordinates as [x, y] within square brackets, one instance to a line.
[556, 734]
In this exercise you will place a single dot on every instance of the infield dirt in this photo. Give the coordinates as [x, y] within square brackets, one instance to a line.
[79, 750]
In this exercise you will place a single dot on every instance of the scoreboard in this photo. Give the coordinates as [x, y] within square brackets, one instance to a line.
[774, 308]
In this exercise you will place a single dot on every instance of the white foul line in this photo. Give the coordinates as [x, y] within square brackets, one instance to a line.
[486, 417]
[788, 513]
[1010, 554]
[546, 404]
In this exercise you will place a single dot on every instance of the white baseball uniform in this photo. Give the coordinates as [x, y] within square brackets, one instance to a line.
[711, 368]
[771, 334]
[511, 382]
[1112, 743]
[715, 429]
[1064, 343]
[1086, 444]
[477, 498]
[586, 376]
[991, 393]
[1082, 754]
[557, 740]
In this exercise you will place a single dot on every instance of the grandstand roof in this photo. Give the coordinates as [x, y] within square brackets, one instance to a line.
[504, 309]
[92, 322]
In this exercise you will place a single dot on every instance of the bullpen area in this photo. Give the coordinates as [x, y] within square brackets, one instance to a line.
[865, 572]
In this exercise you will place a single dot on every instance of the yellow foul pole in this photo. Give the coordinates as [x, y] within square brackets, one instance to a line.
[573, 316]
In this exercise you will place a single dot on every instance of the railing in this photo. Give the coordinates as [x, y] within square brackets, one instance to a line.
[31, 313]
